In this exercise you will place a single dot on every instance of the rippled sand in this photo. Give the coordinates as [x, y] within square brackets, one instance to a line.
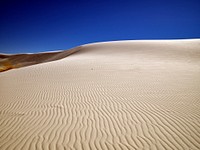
[115, 95]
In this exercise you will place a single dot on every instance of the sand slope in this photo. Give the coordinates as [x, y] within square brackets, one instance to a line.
[8, 62]
[119, 95]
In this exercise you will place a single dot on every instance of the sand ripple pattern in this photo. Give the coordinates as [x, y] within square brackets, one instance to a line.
[110, 96]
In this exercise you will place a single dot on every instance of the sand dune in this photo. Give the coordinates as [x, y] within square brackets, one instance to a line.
[121, 95]
[8, 62]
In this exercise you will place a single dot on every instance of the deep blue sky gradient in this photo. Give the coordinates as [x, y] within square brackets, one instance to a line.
[38, 25]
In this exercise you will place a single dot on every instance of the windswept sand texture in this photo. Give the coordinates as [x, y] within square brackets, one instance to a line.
[119, 95]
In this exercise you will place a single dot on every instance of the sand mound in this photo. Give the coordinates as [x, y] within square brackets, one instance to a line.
[117, 95]
[8, 62]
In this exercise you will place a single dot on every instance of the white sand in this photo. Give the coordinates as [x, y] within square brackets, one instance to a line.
[119, 95]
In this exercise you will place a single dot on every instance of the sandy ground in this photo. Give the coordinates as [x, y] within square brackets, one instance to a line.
[119, 95]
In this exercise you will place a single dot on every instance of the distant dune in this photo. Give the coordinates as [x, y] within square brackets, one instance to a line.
[8, 62]
[121, 95]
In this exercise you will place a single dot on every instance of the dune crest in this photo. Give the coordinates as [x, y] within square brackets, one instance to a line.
[8, 62]
[121, 95]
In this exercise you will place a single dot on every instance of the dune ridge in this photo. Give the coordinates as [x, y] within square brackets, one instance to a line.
[121, 95]
[12, 61]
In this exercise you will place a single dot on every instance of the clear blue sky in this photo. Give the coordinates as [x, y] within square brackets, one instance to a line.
[38, 25]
